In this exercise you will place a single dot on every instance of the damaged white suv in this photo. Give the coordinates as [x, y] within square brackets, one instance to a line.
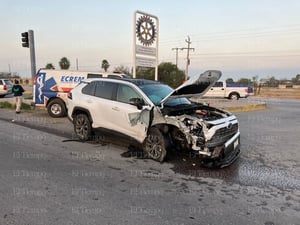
[157, 116]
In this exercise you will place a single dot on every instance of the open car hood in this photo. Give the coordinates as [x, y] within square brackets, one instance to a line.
[196, 86]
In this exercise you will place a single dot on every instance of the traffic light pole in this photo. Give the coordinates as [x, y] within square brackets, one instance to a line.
[32, 53]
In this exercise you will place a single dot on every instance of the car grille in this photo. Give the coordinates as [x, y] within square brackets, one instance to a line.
[222, 135]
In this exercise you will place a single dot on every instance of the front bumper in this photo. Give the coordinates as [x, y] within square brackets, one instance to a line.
[225, 155]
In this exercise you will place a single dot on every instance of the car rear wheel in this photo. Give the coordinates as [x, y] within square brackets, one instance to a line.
[82, 127]
[234, 96]
[154, 145]
[56, 108]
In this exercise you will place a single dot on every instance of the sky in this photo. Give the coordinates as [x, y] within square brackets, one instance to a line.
[242, 38]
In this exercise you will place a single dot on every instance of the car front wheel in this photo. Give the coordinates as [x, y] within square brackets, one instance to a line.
[154, 145]
[82, 127]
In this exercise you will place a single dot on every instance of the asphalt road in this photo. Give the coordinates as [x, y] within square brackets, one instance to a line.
[52, 179]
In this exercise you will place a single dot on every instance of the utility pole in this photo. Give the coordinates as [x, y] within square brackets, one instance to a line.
[188, 40]
[176, 55]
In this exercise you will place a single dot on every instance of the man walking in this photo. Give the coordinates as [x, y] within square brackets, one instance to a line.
[18, 92]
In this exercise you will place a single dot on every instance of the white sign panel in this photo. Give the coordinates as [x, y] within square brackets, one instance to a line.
[145, 50]
[145, 62]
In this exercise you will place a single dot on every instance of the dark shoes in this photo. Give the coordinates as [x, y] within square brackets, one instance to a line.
[17, 112]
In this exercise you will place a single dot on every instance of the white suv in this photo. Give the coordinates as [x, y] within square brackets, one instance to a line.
[157, 116]
[5, 87]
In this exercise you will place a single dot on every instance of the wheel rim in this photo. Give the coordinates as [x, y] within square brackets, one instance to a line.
[56, 109]
[234, 97]
[81, 127]
[154, 146]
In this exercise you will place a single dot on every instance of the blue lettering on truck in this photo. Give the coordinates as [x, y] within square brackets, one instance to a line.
[71, 79]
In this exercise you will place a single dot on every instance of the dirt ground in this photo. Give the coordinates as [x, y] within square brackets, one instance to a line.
[284, 93]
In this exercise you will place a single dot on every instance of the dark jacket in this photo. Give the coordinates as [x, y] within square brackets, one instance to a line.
[17, 90]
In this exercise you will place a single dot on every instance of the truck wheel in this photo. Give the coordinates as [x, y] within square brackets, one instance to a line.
[56, 108]
[154, 145]
[82, 127]
[234, 96]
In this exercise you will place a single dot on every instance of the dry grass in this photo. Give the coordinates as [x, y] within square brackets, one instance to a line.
[285, 93]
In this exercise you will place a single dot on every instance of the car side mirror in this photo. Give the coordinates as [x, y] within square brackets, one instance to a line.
[138, 102]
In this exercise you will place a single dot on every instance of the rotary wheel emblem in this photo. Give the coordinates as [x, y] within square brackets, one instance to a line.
[145, 30]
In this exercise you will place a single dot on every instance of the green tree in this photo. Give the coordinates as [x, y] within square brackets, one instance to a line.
[296, 79]
[105, 65]
[64, 63]
[230, 81]
[169, 73]
[244, 81]
[50, 66]
[273, 82]
[145, 73]
[122, 69]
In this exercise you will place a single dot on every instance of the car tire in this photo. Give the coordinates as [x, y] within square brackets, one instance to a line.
[56, 108]
[2, 96]
[234, 96]
[82, 127]
[154, 145]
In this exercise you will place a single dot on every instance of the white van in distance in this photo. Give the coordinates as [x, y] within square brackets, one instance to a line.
[51, 87]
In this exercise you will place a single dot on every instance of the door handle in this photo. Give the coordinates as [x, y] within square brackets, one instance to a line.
[116, 108]
[89, 101]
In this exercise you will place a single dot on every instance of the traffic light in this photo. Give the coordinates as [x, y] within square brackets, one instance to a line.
[25, 40]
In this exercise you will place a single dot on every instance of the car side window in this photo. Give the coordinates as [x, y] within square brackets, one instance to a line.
[218, 84]
[89, 89]
[105, 89]
[1, 82]
[125, 93]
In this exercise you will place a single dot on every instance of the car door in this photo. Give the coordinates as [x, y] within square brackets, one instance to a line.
[101, 104]
[128, 119]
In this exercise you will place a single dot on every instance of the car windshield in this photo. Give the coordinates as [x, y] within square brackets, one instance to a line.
[157, 92]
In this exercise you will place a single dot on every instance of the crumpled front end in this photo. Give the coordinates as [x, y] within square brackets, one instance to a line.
[217, 140]
[211, 133]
